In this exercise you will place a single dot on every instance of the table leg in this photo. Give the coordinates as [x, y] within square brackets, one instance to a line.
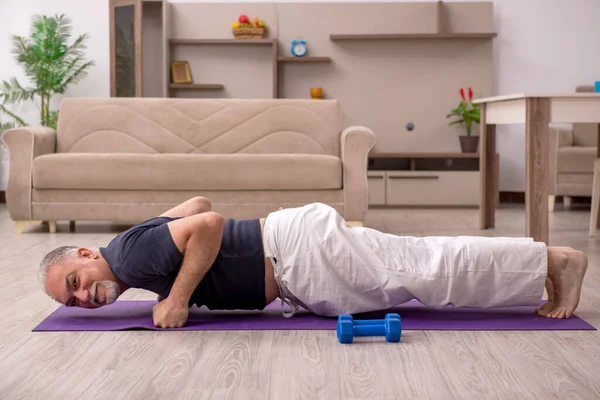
[536, 165]
[487, 165]
[598, 141]
[598, 156]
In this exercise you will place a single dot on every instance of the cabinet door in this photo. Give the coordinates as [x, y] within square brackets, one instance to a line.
[433, 188]
[126, 74]
[376, 181]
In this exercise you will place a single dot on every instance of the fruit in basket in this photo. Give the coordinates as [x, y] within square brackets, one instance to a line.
[235, 25]
[261, 23]
[255, 22]
[243, 19]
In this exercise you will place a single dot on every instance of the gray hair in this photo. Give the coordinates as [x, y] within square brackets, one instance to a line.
[56, 256]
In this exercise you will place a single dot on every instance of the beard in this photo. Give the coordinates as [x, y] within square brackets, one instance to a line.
[111, 293]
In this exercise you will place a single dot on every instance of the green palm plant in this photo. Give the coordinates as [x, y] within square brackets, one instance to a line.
[50, 63]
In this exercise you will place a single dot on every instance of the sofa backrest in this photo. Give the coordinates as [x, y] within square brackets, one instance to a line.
[201, 126]
[585, 134]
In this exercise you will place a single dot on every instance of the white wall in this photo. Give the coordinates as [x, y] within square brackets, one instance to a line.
[542, 45]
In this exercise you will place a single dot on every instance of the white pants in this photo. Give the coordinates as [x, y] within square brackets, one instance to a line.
[329, 268]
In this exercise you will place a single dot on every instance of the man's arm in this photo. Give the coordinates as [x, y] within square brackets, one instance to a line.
[195, 205]
[198, 237]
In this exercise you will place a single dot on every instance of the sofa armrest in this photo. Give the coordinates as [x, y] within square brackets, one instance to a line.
[357, 141]
[24, 144]
[559, 137]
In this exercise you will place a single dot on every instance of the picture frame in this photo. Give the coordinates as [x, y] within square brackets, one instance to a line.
[180, 72]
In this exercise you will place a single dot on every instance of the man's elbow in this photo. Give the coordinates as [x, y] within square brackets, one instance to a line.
[208, 226]
[211, 223]
[214, 220]
[208, 229]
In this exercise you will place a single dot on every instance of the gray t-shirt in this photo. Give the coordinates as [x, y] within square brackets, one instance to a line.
[146, 257]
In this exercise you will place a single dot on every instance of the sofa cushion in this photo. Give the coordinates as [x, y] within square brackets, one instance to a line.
[576, 159]
[187, 171]
[133, 206]
[198, 126]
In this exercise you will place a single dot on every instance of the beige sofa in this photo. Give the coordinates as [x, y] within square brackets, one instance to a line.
[572, 156]
[128, 159]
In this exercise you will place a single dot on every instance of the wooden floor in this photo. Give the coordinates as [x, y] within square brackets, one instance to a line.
[292, 364]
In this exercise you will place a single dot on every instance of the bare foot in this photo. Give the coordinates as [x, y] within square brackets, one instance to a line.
[549, 305]
[569, 267]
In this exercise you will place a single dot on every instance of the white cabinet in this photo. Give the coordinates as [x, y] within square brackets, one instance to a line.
[434, 179]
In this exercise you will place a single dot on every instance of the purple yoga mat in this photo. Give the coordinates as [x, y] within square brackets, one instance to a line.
[138, 315]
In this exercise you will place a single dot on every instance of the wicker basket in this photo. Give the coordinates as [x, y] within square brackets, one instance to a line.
[248, 33]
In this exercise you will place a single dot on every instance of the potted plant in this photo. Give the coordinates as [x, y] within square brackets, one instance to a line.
[468, 114]
[51, 63]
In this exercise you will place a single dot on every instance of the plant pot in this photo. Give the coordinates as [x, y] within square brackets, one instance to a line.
[469, 144]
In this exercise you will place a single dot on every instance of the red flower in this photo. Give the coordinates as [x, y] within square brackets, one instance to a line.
[470, 94]
[462, 93]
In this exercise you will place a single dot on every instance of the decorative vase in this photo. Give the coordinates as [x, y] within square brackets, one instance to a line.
[469, 144]
[316, 93]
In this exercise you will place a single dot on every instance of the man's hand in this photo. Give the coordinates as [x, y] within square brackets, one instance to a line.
[170, 314]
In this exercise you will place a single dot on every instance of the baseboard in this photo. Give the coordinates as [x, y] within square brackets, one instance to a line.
[505, 197]
[519, 198]
[512, 197]
[421, 207]
[2, 196]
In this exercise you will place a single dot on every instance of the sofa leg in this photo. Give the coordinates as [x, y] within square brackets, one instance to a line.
[551, 203]
[52, 226]
[594, 209]
[567, 202]
[72, 226]
[354, 223]
[20, 226]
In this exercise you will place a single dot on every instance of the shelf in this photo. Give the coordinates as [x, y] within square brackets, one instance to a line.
[201, 86]
[414, 36]
[305, 59]
[424, 155]
[415, 162]
[222, 41]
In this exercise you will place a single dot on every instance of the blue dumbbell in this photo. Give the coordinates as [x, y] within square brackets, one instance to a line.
[390, 327]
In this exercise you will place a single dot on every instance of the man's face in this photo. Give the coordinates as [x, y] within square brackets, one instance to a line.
[85, 281]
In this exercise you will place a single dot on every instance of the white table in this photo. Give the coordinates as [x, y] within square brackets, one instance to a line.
[536, 111]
